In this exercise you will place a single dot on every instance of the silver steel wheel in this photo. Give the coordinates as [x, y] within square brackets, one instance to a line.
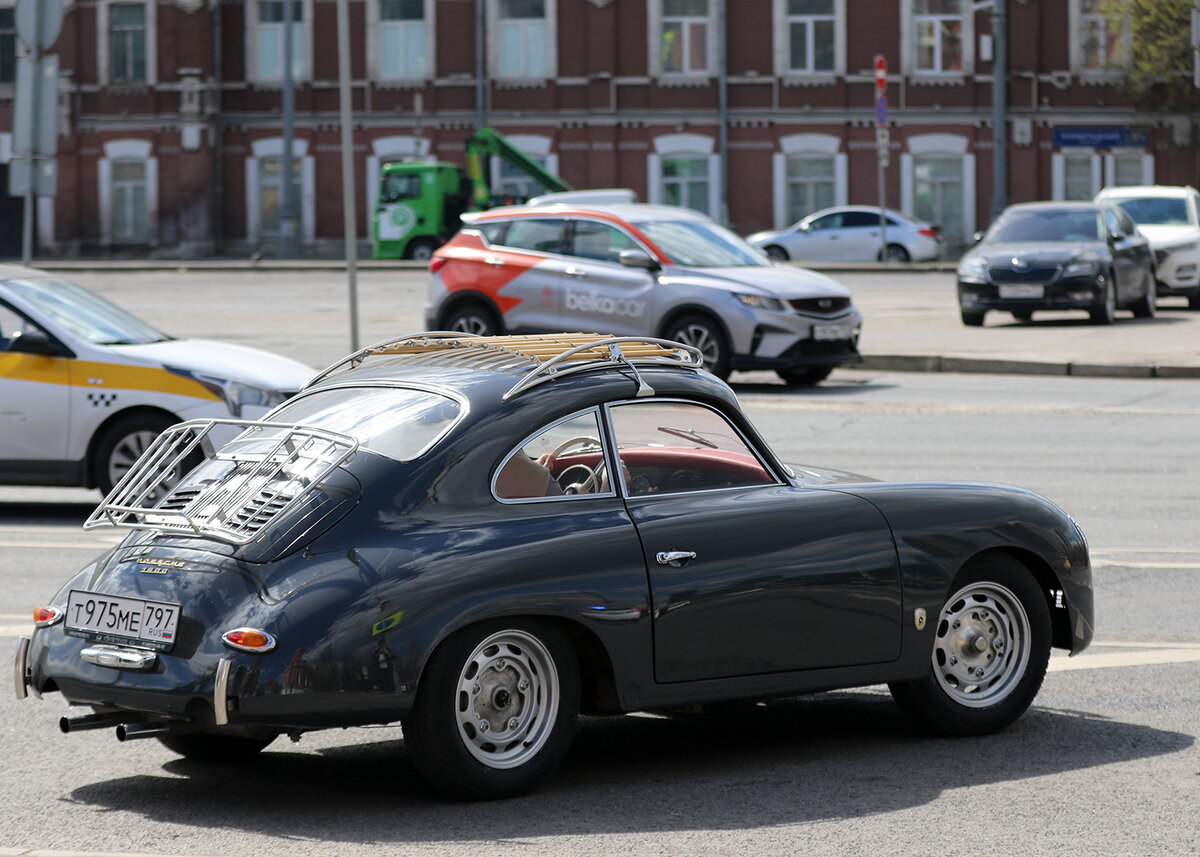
[983, 645]
[702, 338]
[126, 451]
[508, 699]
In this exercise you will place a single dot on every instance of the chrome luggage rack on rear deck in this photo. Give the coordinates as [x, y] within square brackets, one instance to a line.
[263, 479]
[543, 357]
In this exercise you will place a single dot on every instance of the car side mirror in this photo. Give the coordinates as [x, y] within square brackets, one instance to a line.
[633, 258]
[32, 342]
[977, 237]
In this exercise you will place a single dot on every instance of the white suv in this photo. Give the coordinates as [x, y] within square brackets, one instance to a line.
[1169, 217]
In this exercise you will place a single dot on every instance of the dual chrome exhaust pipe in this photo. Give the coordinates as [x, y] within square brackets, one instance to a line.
[126, 731]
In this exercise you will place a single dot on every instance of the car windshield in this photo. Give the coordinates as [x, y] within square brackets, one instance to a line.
[84, 314]
[1157, 211]
[397, 422]
[701, 244]
[1050, 225]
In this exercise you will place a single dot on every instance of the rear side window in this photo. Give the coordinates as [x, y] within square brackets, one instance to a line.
[540, 235]
[599, 241]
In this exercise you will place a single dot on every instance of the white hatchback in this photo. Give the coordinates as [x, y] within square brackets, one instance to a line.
[85, 386]
[1169, 217]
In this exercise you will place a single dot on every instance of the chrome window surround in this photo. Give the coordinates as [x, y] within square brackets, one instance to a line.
[261, 488]
[602, 436]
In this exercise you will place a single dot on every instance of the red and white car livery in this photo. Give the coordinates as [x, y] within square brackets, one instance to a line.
[637, 269]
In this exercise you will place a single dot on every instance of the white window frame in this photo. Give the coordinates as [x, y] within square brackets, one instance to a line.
[1075, 22]
[782, 44]
[103, 58]
[252, 36]
[1058, 169]
[1110, 166]
[940, 144]
[375, 28]
[495, 59]
[127, 150]
[685, 146]
[655, 20]
[823, 145]
[908, 45]
[272, 147]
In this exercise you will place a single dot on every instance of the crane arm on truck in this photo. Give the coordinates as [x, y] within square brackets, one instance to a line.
[487, 141]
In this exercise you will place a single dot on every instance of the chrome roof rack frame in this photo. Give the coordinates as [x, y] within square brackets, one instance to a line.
[542, 357]
[260, 486]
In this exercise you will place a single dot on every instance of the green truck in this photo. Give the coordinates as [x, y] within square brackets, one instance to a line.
[418, 203]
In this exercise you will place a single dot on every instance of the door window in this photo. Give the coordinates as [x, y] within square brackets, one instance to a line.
[673, 447]
[545, 235]
[592, 240]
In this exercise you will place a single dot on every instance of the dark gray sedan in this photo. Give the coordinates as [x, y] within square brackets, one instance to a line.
[1058, 256]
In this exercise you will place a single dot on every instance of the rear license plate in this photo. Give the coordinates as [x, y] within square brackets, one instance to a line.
[119, 619]
[1022, 291]
[827, 332]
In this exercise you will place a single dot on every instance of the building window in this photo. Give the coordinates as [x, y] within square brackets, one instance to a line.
[129, 195]
[8, 45]
[127, 42]
[270, 40]
[524, 32]
[938, 36]
[685, 182]
[684, 32]
[811, 184]
[1078, 176]
[683, 171]
[270, 193]
[403, 37]
[1128, 168]
[128, 184]
[812, 38]
[1100, 41]
[938, 191]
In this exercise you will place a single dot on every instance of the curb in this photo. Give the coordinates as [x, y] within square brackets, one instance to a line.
[993, 366]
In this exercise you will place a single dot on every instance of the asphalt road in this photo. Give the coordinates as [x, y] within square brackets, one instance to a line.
[1106, 763]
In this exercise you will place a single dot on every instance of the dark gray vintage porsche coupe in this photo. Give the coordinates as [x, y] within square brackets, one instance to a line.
[483, 537]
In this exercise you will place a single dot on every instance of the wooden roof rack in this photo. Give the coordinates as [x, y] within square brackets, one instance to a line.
[542, 357]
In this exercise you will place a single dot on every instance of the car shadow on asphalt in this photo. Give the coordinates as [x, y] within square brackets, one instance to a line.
[44, 513]
[818, 758]
[1076, 321]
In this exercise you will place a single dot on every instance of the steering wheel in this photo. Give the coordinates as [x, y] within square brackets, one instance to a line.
[591, 478]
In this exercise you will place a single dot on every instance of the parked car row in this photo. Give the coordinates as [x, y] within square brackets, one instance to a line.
[1121, 251]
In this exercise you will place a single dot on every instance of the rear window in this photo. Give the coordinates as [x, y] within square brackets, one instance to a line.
[398, 422]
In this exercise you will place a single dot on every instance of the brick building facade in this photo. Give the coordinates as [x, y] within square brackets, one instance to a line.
[756, 111]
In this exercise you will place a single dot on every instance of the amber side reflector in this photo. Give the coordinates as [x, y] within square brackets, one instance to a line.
[44, 617]
[249, 640]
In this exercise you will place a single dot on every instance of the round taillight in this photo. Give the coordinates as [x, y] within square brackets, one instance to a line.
[249, 640]
[44, 617]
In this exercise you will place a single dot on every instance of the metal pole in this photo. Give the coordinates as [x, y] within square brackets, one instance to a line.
[999, 107]
[288, 247]
[722, 114]
[31, 155]
[882, 207]
[349, 215]
[480, 78]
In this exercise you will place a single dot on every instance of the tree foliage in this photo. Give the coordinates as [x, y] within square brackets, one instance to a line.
[1158, 75]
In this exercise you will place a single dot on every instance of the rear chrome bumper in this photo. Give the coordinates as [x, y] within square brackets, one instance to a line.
[20, 671]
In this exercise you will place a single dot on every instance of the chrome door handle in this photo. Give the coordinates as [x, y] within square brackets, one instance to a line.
[494, 260]
[572, 271]
[676, 559]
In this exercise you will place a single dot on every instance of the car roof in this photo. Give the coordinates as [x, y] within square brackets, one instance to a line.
[19, 272]
[1066, 205]
[514, 363]
[1178, 191]
[634, 212]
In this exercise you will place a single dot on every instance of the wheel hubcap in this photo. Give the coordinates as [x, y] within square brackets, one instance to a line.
[471, 324]
[702, 339]
[508, 697]
[982, 645]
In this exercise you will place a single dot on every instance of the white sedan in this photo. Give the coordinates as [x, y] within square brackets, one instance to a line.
[85, 386]
[1169, 217]
[851, 233]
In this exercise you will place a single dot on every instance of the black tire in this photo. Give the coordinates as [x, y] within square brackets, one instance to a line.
[1147, 305]
[475, 318]
[973, 318]
[1106, 312]
[202, 747]
[990, 648]
[776, 253]
[895, 253]
[519, 680]
[123, 442]
[422, 249]
[804, 376]
[1194, 302]
[706, 335]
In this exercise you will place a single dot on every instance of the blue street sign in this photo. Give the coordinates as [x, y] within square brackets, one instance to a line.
[881, 111]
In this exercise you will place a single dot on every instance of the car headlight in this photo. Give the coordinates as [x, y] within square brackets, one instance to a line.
[1082, 268]
[760, 302]
[238, 395]
[973, 268]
